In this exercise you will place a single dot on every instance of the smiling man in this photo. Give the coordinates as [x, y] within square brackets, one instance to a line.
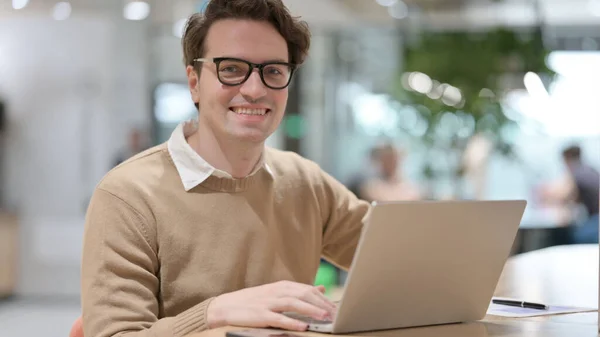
[212, 228]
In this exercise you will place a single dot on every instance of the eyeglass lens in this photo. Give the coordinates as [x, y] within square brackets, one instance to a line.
[235, 72]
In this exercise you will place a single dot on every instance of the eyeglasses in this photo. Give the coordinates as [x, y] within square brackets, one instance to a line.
[233, 71]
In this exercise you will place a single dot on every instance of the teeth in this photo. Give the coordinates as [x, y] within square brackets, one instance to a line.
[244, 111]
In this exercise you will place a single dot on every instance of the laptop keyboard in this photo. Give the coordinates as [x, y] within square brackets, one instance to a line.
[307, 319]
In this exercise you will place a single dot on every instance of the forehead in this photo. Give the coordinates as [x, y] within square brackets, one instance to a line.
[255, 41]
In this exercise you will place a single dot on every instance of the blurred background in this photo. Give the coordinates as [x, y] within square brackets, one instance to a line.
[399, 100]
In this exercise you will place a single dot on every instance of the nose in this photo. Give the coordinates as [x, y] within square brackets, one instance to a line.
[253, 88]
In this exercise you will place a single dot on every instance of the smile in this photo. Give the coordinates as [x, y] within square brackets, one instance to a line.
[247, 111]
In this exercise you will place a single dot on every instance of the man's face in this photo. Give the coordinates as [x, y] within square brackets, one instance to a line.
[570, 164]
[225, 108]
[389, 161]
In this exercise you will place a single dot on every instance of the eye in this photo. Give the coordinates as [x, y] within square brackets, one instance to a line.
[230, 69]
[275, 70]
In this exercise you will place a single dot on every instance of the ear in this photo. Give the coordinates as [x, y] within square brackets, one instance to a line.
[193, 80]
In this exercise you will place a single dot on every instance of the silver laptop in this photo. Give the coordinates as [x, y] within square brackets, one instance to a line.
[470, 329]
[426, 263]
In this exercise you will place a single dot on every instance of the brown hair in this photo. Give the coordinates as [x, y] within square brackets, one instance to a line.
[293, 30]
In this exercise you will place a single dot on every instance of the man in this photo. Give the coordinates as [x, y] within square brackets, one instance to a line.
[212, 228]
[585, 190]
[389, 184]
[135, 145]
[582, 186]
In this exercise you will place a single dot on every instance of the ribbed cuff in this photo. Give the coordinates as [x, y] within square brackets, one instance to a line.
[192, 320]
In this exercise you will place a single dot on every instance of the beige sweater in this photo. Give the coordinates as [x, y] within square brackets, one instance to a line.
[155, 255]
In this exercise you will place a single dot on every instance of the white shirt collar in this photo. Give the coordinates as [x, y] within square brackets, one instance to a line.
[192, 168]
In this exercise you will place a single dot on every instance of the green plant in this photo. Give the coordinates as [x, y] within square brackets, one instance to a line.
[475, 63]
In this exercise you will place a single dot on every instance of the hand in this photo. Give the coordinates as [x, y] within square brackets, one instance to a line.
[262, 306]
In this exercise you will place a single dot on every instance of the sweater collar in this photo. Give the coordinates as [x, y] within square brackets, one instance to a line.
[195, 170]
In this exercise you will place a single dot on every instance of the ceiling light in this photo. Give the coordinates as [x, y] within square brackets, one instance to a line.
[387, 3]
[452, 96]
[19, 4]
[420, 82]
[136, 10]
[399, 10]
[437, 90]
[61, 11]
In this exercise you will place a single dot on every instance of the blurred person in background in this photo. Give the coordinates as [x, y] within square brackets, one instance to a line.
[390, 183]
[136, 143]
[474, 165]
[3, 113]
[580, 186]
[365, 173]
[212, 228]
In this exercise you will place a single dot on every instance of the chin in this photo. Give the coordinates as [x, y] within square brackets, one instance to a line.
[252, 136]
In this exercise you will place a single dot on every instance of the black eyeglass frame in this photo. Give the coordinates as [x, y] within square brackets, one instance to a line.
[251, 66]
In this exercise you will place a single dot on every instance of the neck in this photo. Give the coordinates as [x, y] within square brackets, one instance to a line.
[232, 156]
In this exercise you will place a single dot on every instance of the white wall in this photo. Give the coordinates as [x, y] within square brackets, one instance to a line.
[73, 88]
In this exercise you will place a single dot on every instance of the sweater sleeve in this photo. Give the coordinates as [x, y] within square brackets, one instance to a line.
[343, 215]
[119, 276]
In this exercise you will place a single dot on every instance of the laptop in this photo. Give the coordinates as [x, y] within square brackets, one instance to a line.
[470, 329]
[425, 263]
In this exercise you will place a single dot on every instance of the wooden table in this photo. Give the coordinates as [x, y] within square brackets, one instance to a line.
[566, 275]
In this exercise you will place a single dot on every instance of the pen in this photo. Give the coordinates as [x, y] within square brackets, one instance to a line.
[522, 304]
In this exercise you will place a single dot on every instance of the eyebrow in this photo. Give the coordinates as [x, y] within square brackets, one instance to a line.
[276, 60]
[266, 61]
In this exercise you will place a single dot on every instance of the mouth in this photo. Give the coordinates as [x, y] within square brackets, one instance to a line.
[249, 111]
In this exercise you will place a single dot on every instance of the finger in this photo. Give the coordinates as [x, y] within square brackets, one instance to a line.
[307, 293]
[264, 318]
[292, 304]
[280, 321]
[316, 297]
[321, 288]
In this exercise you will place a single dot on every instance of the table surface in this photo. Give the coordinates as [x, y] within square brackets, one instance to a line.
[565, 275]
